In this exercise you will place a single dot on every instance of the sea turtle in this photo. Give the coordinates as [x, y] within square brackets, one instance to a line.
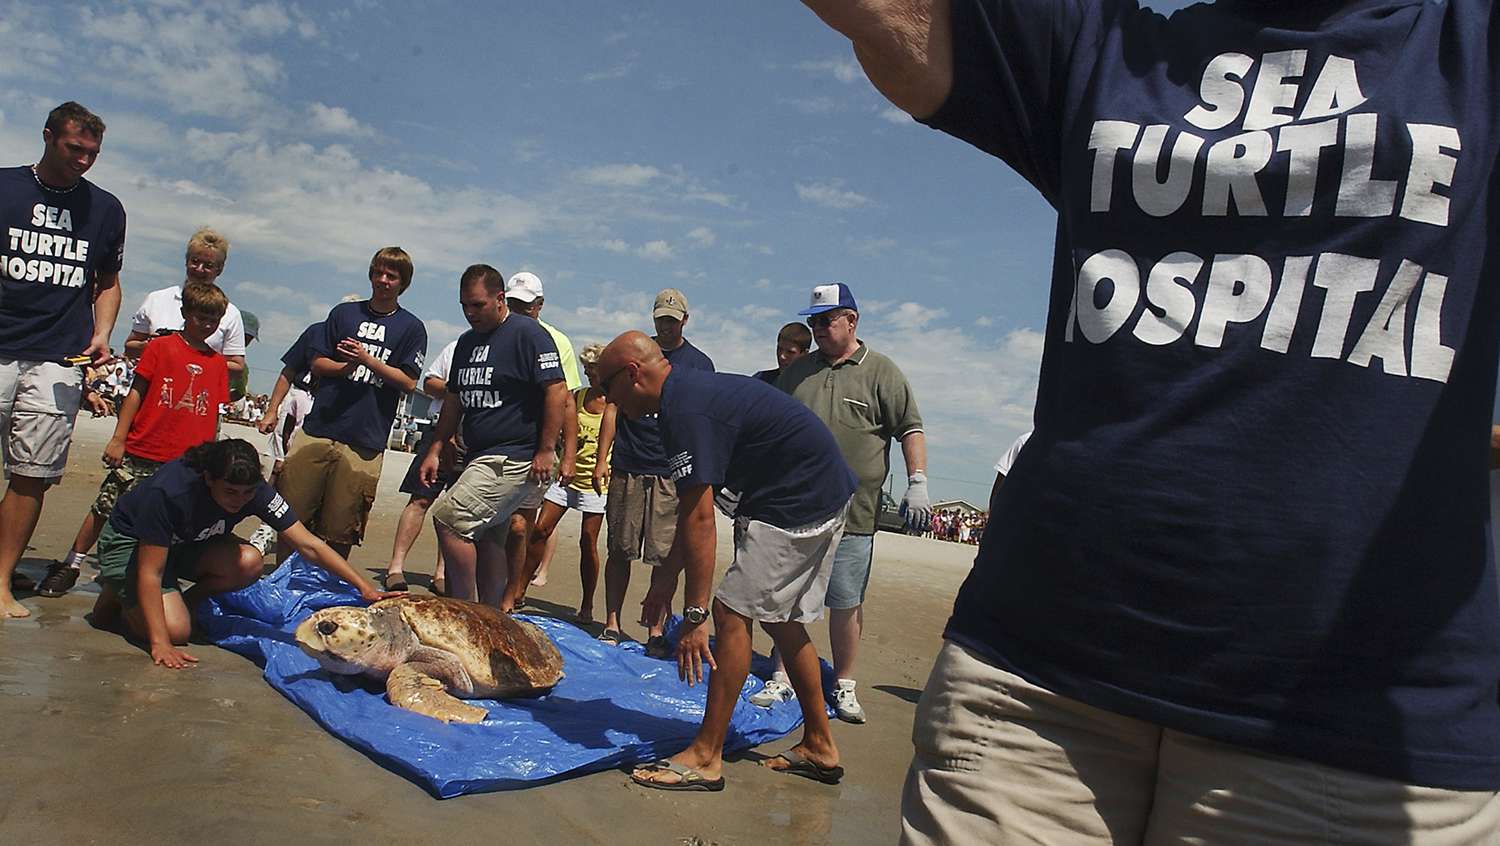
[429, 650]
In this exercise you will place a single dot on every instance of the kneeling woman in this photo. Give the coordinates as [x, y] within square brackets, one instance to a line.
[178, 524]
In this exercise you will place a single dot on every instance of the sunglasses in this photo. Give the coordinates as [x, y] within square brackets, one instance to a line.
[604, 384]
[823, 320]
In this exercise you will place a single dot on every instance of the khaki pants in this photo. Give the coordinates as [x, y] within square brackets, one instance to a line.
[1000, 760]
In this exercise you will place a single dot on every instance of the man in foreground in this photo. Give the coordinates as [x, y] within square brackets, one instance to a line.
[1238, 586]
[735, 431]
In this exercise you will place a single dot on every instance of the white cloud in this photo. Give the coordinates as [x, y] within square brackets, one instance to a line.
[845, 70]
[871, 246]
[619, 175]
[618, 71]
[830, 195]
[334, 120]
[614, 245]
[984, 322]
[891, 114]
[655, 251]
[702, 236]
[813, 105]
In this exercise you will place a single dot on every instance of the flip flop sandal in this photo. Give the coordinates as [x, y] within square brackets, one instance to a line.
[609, 637]
[799, 765]
[690, 779]
[439, 587]
[399, 584]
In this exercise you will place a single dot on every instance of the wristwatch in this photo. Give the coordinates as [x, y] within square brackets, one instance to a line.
[695, 614]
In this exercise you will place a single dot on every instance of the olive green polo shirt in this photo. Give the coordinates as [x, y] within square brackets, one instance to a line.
[866, 401]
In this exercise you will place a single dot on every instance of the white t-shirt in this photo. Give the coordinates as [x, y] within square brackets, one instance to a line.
[439, 365]
[162, 309]
[1009, 459]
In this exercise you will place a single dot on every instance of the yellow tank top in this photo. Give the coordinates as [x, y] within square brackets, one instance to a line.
[588, 444]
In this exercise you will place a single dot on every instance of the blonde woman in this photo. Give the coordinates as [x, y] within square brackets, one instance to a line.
[587, 491]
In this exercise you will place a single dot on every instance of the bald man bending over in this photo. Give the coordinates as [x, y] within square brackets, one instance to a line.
[723, 430]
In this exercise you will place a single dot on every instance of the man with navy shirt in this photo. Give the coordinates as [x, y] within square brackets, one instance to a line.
[1238, 586]
[60, 258]
[505, 388]
[367, 355]
[736, 432]
[642, 505]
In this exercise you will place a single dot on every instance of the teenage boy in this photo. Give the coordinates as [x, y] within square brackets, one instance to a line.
[792, 343]
[368, 354]
[59, 296]
[506, 389]
[172, 406]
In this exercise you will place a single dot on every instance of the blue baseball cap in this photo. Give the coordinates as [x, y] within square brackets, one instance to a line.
[829, 297]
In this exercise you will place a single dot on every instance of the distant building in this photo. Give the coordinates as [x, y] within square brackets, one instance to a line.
[957, 505]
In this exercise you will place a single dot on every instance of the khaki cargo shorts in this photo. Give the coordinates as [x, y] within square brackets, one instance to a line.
[38, 404]
[484, 495]
[641, 512]
[331, 486]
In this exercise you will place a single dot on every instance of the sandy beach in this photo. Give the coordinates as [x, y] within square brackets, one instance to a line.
[99, 746]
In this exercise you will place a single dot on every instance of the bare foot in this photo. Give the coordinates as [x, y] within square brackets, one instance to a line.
[539, 580]
[9, 607]
[583, 616]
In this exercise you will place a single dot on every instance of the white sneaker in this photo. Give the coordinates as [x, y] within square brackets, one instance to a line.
[777, 690]
[844, 704]
[263, 539]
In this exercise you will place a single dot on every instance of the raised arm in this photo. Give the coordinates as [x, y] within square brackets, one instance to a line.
[904, 46]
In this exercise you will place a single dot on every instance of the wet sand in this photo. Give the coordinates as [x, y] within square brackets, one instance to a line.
[99, 746]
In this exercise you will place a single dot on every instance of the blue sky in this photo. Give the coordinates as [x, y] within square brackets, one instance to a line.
[734, 151]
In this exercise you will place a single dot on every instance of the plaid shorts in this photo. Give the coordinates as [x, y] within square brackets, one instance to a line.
[121, 479]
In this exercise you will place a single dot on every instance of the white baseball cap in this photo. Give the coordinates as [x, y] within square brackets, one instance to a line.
[524, 286]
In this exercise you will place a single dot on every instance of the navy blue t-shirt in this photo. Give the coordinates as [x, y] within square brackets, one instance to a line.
[1255, 506]
[768, 376]
[299, 356]
[358, 408]
[498, 377]
[174, 506]
[637, 447]
[739, 433]
[56, 244]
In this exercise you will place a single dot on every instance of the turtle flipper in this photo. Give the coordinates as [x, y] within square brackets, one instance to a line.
[412, 686]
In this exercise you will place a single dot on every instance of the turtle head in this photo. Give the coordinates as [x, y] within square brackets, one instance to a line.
[347, 640]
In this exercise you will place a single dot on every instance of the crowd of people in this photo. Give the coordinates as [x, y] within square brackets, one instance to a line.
[519, 441]
[1197, 614]
[957, 525]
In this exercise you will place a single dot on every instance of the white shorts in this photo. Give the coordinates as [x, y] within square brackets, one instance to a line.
[38, 404]
[586, 501]
[781, 575]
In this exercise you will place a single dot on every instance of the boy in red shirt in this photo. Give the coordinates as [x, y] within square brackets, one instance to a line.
[173, 405]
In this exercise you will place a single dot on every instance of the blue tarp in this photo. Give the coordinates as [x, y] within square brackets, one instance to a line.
[614, 705]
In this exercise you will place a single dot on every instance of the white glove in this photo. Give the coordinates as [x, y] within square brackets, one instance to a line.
[916, 506]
